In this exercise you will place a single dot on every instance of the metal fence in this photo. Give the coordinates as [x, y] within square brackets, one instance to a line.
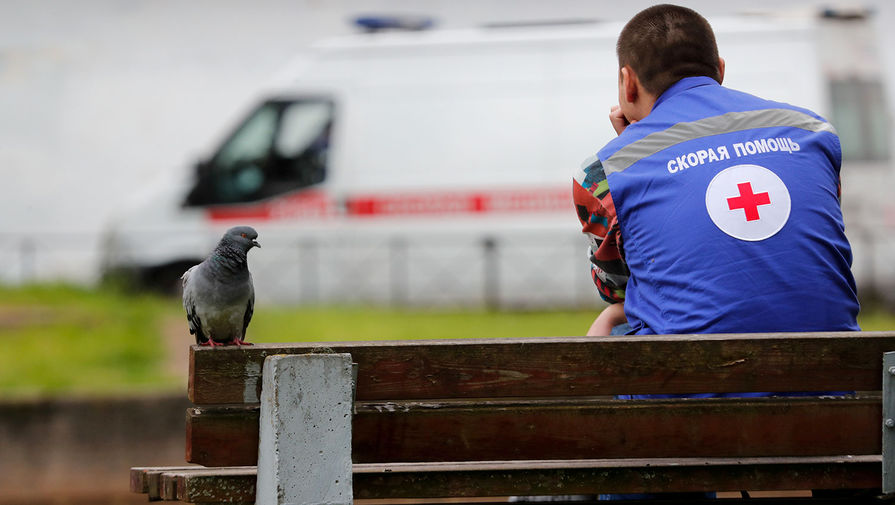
[50, 257]
[530, 270]
[547, 270]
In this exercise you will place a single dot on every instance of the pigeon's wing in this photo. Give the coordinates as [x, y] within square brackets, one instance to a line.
[250, 309]
[189, 304]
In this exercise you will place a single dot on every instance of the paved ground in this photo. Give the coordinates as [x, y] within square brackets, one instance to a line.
[177, 340]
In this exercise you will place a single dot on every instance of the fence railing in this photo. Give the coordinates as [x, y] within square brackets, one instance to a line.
[548, 270]
[531, 270]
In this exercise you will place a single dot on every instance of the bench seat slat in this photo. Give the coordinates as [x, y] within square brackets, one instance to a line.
[501, 478]
[573, 428]
[146, 479]
[651, 476]
[567, 366]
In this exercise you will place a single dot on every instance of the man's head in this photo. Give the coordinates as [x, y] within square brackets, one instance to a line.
[665, 43]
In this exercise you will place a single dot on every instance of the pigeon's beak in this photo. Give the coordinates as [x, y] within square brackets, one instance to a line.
[256, 244]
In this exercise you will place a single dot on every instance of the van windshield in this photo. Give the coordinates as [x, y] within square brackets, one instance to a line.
[282, 146]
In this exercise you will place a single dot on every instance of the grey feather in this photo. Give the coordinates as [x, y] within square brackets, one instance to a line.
[218, 294]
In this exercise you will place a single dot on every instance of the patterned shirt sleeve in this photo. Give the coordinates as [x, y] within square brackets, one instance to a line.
[596, 211]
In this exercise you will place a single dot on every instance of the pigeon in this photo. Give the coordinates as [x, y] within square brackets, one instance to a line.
[218, 294]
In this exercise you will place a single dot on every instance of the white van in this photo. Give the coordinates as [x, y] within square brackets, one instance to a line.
[428, 167]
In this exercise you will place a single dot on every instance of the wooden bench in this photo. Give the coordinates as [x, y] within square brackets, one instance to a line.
[485, 418]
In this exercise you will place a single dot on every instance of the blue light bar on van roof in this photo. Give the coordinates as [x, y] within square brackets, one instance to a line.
[380, 23]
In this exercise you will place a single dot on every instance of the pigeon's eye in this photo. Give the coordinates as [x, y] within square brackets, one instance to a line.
[243, 235]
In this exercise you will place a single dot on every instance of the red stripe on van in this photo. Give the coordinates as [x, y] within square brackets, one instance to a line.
[306, 204]
[316, 204]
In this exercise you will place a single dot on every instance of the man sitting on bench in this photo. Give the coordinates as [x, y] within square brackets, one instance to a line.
[713, 211]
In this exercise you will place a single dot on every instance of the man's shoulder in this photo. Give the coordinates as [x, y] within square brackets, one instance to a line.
[703, 106]
[747, 101]
[634, 133]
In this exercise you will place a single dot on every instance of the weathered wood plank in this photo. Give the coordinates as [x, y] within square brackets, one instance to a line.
[570, 429]
[161, 482]
[138, 480]
[167, 487]
[222, 436]
[617, 476]
[222, 485]
[568, 366]
[146, 480]
[501, 478]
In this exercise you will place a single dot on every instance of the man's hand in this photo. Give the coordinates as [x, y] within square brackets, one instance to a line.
[618, 120]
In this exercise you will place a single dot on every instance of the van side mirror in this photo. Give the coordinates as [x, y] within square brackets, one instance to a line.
[202, 167]
[198, 194]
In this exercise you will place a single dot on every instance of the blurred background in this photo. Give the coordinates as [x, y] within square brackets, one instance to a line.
[407, 164]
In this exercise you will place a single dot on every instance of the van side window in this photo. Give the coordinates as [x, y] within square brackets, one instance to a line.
[281, 147]
[860, 118]
[850, 58]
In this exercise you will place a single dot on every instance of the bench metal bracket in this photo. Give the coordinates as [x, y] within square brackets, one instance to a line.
[888, 422]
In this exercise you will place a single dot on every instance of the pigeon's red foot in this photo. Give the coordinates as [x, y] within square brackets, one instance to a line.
[237, 342]
[210, 343]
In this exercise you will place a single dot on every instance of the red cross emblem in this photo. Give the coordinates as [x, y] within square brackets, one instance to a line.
[732, 189]
[748, 201]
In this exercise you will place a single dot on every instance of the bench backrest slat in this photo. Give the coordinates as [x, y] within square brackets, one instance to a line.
[567, 366]
[569, 429]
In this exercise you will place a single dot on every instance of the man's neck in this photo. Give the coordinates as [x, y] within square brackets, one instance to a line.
[644, 105]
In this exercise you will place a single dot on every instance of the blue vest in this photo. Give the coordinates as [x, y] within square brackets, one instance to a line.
[729, 212]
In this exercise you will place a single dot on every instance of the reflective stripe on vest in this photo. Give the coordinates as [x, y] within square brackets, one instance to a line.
[710, 126]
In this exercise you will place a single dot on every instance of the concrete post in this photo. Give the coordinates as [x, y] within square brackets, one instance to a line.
[304, 451]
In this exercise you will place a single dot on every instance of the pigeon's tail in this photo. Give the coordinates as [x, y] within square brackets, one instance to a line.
[250, 309]
[195, 324]
[200, 337]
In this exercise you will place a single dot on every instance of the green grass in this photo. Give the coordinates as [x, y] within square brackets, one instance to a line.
[360, 323]
[64, 339]
[59, 340]
[875, 319]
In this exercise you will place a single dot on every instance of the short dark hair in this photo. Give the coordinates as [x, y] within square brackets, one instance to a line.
[665, 43]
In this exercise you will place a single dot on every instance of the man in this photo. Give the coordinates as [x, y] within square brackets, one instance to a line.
[713, 211]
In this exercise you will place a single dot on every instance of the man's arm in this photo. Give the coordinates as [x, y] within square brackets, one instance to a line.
[608, 319]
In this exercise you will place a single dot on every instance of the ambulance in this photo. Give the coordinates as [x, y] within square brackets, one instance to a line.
[428, 166]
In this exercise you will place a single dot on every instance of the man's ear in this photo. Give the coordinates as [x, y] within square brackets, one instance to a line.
[720, 70]
[630, 84]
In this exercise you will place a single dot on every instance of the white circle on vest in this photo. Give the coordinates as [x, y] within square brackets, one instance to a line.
[748, 202]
